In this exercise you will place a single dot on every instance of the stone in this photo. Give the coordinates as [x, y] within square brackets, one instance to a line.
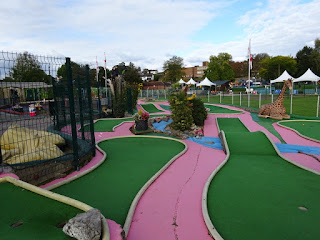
[85, 226]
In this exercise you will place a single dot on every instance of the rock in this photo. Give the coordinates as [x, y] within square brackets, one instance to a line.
[85, 226]
[6, 169]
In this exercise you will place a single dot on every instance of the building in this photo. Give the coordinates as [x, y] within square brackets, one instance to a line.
[155, 85]
[195, 72]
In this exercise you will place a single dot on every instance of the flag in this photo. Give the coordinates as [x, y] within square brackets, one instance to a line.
[250, 55]
[105, 62]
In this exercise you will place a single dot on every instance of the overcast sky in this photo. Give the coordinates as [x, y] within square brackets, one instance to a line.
[148, 32]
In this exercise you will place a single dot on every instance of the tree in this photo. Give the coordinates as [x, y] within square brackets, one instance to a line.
[28, 69]
[273, 67]
[219, 68]
[173, 69]
[77, 71]
[131, 75]
[309, 57]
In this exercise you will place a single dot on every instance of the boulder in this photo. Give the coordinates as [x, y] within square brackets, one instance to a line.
[85, 226]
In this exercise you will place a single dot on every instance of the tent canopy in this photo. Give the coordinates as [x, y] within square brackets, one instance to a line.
[181, 81]
[284, 76]
[308, 76]
[192, 82]
[205, 82]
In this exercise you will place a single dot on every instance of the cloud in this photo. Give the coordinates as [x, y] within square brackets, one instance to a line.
[141, 31]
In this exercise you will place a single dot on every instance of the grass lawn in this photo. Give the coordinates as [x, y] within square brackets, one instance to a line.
[303, 105]
[309, 129]
[257, 194]
[150, 108]
[40, 215]
[130, 163]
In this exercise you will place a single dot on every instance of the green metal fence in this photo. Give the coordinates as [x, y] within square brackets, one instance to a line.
[42, 117]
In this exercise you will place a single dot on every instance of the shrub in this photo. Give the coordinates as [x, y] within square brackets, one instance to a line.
[181, 112]
[199, 113]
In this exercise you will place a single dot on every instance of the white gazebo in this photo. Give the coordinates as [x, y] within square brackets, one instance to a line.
[308, 76]
[284, 76]
[206, 82]
[192, 82]
[181, 81]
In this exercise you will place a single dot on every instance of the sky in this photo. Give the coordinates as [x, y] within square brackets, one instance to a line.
[149, 32]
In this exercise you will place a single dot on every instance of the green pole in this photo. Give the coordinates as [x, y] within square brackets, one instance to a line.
[72, 115]
[81, 108]
[93, 141]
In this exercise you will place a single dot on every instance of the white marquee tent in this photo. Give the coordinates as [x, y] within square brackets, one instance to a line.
[284, 76]
[206, 82]
[308, 76]
[192, 82]
[181, 81]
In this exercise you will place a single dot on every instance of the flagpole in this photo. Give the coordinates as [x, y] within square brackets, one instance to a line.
[249, 67]
[105, 74]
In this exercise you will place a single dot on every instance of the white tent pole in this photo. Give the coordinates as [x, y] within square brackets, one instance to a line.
[291, 104]
[318, 106]
[240, 98]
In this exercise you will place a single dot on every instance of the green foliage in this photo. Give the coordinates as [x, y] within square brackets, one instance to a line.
[181, 112]
[131, 75]
[27, 69]
[119, 99]
[308, 57]
[273, 67]
[173, 69]
[199, 112]
[219, 68]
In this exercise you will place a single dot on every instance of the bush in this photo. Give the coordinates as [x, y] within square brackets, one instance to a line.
[181, 112]
[199, 113]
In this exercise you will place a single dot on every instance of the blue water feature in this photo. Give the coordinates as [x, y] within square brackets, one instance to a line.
[214, 142]
[161, 125]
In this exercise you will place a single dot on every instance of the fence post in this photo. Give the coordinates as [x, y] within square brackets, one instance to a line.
[0, 156]
[240, 98]
[81, 108]
[291, 104]
[232, 98]
[248, 99]
[158, 93]
[272, 97]
[152, 92]
[165, 95]
[208, 97]
[72, 115]
[93, 141]
[259, 100]
[56, 120]
[318, 106]
[141, 92]
[220, 96]
[147, 92]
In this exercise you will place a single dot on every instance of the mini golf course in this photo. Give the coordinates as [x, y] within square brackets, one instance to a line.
[259, 195]
[150, 108]
[130, 163]
[220, 110]
[256, 195]
[28, 215]
[306, 128]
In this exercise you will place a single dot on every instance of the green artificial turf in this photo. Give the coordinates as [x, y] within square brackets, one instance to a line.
[231, 125]
[39, 215]
[267, 124]
[222, 110]
[150, 108]
[307, 128]
[165, 107]
[257, 194]
[130, 163]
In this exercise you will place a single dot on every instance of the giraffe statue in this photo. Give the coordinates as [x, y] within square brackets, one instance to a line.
[276, 110]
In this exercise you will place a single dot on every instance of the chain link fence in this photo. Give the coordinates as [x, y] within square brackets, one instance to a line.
[46, 123]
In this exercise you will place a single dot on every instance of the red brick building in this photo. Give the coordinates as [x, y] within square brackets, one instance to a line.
[155, 85]
[195, 72]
